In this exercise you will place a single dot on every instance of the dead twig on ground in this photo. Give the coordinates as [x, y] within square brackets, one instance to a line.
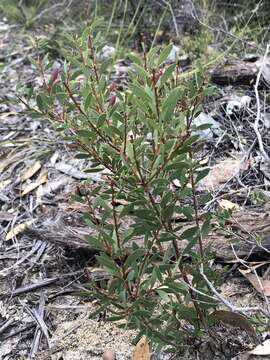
[225, 302]
[34, 249]
[44, 282]
[39, 321]
[258, 116]
[38, 332]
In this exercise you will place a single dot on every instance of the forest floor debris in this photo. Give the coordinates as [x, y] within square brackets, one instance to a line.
[39, 278]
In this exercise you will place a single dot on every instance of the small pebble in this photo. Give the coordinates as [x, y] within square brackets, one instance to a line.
[108, 355]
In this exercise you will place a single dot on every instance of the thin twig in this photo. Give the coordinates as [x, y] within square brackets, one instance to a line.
[53, 7]
[224, 301]
[258, 116]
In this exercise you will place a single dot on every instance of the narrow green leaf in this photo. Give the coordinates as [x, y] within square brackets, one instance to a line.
[164, 54]
[134, 257]
[202, 174]
[170, 102]
[166, 76]
[140, 92]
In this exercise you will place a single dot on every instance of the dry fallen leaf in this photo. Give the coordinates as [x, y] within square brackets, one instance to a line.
[42, 178]
[32, 170]
[29, 188]
[236, 320]
[261, 285]
[39, 194]
[141, 351]
[227, 205]
[18, 229]
[4, 184]
[262, 349]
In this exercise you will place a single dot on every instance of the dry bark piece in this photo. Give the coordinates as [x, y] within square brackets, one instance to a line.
[68, 230]
[235, 320]
[223, 172]
[262, 286]
[32, 170]
[141, 351]
[234, 72]
[71, 170]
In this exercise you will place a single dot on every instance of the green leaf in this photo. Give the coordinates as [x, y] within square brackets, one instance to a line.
[166, 198]
[189, 233]
[166, 76]
[108, 264]
[140, 71]
[186, 313]
[134, 257]
[167, 212]
[82, 156]
[145, 214]
[206, 228]
[42, 102]
[152, 56]
[101, 120]
[202, 174]
[94, 242]
[87, 101]
[170, 102]
[164, 54]
[101, 202]
[163, 295]
[76, 74]
[140, 92]
[93, 170]
[136, 59]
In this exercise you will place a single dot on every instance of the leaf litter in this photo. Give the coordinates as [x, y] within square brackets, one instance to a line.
[43, 275]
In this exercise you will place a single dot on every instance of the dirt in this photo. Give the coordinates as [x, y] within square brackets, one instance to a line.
[39, 278]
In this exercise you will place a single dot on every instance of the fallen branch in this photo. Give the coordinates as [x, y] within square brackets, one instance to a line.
[258, 116]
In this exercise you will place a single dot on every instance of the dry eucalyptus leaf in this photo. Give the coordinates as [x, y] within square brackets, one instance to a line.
[236, 320]
[32, 170]
[141, 351]
[29, 188]
[4, 184]
[18, 229]
[42, 178]
[227, 205]
[261, 285]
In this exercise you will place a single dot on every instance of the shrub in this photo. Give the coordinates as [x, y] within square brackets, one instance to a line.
[143, 141]
[23, 12]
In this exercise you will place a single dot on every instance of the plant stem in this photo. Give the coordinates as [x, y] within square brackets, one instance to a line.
[77, 105]
[196, 212]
